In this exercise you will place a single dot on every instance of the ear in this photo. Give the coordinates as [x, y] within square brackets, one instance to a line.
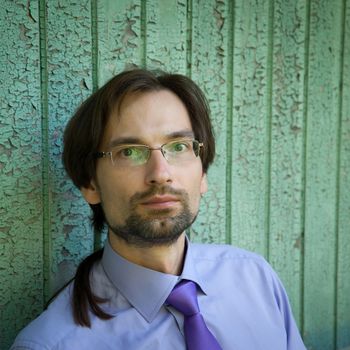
[204, 184]
[91, 193]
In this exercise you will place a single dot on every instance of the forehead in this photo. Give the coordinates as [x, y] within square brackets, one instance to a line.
[148, 117]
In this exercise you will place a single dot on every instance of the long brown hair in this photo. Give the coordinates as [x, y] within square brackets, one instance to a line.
[83, 136]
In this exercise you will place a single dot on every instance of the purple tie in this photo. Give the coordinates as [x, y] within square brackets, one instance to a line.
[184, 299]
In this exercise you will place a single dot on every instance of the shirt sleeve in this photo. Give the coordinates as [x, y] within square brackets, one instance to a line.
[294, 340]
[27, 345]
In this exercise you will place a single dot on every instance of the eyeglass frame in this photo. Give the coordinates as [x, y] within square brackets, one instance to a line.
[105, 154]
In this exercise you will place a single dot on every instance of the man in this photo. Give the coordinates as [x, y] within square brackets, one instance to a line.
[139, 150]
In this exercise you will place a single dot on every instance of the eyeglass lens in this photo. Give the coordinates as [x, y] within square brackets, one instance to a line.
[174, 152]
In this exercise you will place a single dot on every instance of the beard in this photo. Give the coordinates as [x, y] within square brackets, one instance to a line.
[157, 227]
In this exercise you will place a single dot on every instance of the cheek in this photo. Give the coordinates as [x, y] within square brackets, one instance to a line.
[195, 194]
[114, 184]
[114, 196]
[116, 191]
[115, 206]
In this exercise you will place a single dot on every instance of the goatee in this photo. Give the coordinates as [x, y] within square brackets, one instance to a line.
[160, 227]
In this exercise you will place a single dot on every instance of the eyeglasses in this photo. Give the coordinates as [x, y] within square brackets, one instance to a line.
[175, 152]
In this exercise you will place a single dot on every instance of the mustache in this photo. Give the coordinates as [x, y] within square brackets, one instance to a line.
[156, 190]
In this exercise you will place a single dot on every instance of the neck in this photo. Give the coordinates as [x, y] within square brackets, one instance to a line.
[167, 259]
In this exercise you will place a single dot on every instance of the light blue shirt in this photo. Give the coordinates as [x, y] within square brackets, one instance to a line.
[241, 298]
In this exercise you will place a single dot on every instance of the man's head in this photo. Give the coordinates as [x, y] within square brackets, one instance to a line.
[157, 196]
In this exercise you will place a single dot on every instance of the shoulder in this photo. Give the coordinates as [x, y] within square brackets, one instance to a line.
[47, 330]
[239, 269]
[223, 252]
[223, 261]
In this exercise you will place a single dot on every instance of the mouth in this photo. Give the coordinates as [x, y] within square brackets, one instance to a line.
[161, 202]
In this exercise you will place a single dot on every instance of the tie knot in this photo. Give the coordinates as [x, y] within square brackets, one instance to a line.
[184, 298]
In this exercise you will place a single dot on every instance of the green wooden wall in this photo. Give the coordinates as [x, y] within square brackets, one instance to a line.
[277, 75]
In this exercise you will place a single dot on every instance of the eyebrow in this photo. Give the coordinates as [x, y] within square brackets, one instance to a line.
[136, 140]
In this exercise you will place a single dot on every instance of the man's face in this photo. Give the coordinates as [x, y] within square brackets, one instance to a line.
[155, 202]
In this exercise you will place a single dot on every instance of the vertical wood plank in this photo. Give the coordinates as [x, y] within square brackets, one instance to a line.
[250, 125]
[69, 82]
[214, 42]
[166, 26]
[209, 53]
[21, 257]
[321, 173]
[287, 146]
[343, 276]
[120, 40]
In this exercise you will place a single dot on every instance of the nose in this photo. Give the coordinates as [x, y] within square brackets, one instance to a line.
[158, 170]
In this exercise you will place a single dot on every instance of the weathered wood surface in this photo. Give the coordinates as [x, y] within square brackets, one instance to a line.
[68, 82]
[322, 172]
[276, 74]
[342, 330]
[21, 169]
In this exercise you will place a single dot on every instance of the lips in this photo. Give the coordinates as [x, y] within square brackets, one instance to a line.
[161, 201]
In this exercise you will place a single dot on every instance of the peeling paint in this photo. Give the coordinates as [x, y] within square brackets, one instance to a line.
[281, 180]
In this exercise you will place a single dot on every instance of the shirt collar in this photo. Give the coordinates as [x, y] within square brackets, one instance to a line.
[189, 271]
[145, 289]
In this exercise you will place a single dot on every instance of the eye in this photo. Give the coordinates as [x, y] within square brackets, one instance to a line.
[127, 152]
[179, 146]
[130, 155]
[133, 153]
